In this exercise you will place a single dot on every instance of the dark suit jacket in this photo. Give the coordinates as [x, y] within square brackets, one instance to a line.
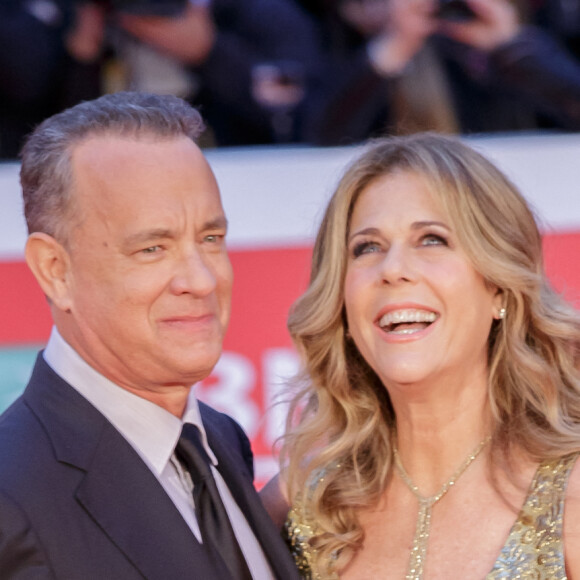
[77, 502]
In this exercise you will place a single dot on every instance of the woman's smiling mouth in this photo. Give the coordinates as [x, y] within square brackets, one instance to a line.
[406, 321]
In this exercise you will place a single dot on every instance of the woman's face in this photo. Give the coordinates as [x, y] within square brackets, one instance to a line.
[417, 310]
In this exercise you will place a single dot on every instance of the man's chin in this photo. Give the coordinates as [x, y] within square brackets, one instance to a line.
[190, 371]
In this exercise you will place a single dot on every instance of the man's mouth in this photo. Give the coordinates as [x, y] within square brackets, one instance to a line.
[407, 321]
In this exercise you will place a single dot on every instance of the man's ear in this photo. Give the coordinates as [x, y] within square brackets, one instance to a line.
[49, 262]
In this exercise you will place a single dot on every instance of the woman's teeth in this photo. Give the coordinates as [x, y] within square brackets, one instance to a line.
[406, 321]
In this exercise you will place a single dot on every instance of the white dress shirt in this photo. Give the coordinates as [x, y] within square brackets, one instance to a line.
[153, 432]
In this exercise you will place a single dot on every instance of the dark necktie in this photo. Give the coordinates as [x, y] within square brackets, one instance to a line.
[216, 530]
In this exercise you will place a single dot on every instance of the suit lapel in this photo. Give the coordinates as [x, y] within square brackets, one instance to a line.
[118, 490]
[130, 505]
[240, 484]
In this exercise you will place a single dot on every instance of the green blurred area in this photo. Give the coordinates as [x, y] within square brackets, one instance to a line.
[15, 367]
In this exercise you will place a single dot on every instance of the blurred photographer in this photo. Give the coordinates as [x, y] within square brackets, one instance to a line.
[399, 66]
[561, 18]
[222, 47]
[532, 68]
[49, 59]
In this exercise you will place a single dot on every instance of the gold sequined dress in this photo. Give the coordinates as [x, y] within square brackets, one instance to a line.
[533, 551]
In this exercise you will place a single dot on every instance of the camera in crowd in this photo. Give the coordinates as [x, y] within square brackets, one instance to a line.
[455, 10]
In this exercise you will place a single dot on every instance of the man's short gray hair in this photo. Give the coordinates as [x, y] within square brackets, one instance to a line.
[46, 173]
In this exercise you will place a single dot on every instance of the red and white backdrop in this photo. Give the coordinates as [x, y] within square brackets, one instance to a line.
[274, 200]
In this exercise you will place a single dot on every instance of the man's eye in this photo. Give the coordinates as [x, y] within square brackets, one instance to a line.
[213, 238]
[151, 250]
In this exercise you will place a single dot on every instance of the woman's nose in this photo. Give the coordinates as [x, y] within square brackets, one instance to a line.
[396, 266]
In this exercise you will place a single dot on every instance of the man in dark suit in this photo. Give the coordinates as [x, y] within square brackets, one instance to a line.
[127, 241]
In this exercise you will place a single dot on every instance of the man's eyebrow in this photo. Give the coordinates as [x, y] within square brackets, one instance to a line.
[148, 236]
[218, 223]
[154, 234]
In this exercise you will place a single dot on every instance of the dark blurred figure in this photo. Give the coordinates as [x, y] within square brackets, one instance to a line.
[396, 66]
[49, 60]
[248, 60]
[562, 19]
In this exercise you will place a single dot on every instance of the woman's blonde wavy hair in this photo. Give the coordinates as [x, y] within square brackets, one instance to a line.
[341, 420]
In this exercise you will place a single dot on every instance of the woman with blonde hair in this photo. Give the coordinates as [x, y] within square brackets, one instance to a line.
[437, 423]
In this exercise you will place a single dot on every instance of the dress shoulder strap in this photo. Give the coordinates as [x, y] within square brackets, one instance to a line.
[300, 528]
[534, 548]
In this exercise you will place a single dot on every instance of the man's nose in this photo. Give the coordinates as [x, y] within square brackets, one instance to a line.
[193, 275]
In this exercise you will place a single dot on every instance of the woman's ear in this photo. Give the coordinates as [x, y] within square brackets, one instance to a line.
[49, 262]
[499, 300]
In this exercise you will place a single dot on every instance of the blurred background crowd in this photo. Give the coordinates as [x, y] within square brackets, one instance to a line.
[316, 72]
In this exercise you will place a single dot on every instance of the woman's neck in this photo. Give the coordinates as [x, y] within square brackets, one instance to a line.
[437, 431]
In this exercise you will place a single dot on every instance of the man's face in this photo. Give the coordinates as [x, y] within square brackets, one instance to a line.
[149, 279]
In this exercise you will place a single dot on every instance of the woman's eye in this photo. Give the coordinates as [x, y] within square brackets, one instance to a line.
[365, 248]
[433, 240]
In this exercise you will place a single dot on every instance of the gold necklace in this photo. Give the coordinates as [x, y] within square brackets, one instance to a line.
[421, 539]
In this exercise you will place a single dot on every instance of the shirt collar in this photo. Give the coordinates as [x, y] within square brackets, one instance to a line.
[151, 430]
